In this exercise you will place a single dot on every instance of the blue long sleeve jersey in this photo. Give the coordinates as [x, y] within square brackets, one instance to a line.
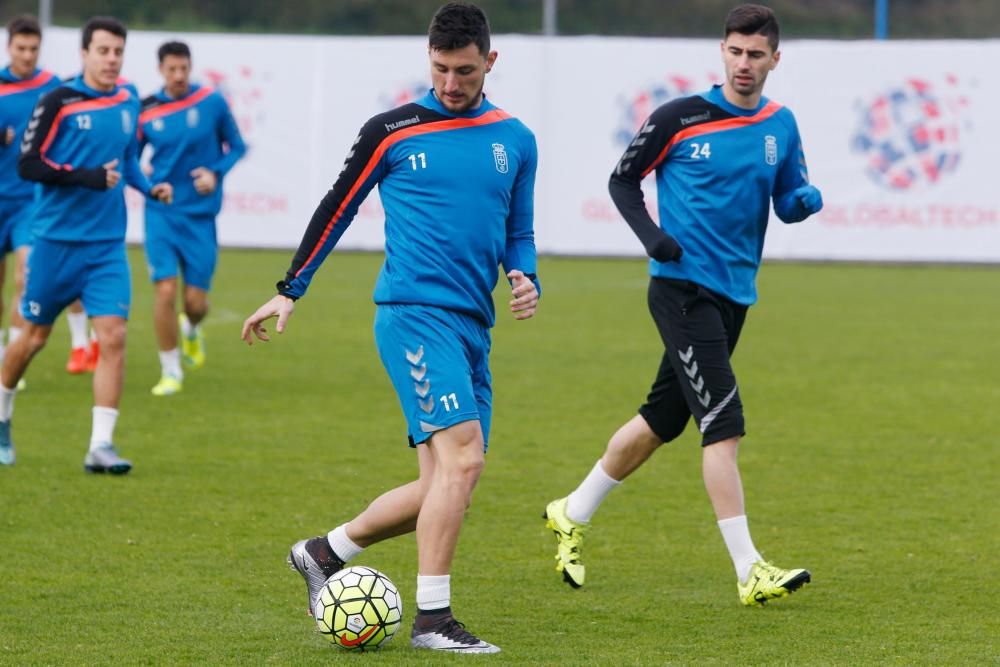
[197, 130]
[74, 131]
[457, 190]
[18, 98]
[717, 166]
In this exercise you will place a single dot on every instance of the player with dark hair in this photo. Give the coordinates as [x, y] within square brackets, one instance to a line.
[456, 177]
[720, 158]
[79, 136]
[195, 143]
[22, 82]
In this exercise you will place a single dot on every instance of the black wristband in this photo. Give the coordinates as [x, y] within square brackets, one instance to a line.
[284, 288]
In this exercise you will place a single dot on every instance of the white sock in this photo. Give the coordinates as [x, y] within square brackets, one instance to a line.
[433, 592]
[170, 363]
[736, 533]
[188, 330]
[104, 426]
[583, 502]
[6, 403]
[78, 330]
[13, 334]
[342, 545]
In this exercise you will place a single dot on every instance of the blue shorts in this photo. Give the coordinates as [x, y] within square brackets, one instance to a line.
[179, 244]
[438, 361]
[15, 223]
[59, 272]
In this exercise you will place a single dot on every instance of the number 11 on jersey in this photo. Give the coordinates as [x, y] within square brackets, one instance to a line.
[418, 157]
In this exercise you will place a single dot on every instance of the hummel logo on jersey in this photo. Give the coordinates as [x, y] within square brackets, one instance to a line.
[697, 118]
[389, 127]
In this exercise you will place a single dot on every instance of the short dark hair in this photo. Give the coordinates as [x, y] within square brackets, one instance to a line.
[753, 20]
[25, 24]
[173, 49]
[458, 24]
[107, 23]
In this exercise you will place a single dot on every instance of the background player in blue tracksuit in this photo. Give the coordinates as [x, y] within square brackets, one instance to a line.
[456, 177]
[195, 143]
[22, 83]
[720, 158]
[84, 350]
[79, 136]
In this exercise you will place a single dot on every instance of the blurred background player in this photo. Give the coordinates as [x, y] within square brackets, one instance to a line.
[84, 349]
[78, 138]
[195, 142]
[456, 177]
[21, 84]
[720, 158]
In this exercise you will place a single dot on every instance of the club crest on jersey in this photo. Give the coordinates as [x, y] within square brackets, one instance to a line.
[157, 125]
[126, 122]
[192, 117]
[500, 157]
[770, 149]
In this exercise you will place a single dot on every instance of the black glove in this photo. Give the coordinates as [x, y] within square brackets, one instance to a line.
[665, 249]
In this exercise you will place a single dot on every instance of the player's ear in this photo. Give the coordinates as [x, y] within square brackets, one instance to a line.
[775, 59]
[491, 59]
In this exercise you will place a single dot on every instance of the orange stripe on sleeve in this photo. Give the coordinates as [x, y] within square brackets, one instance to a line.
[717, 126]
[80, 107]
[494, 116]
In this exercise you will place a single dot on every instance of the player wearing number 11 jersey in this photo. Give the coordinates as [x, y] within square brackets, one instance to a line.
[456, 176]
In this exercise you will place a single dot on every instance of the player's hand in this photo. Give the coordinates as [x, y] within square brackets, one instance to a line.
[111, 175]
[162, 192]
[666, 249]
[809, 198]
[205, 180]
[8, 136]
[525, 294]
[280, 307]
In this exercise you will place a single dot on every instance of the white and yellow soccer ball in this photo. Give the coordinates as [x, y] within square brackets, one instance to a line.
[358, 609]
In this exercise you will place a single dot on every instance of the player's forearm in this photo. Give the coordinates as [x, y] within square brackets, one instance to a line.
[31, 167]
[134, 177]
[628, 198]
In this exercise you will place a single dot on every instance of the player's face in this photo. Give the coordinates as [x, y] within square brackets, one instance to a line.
[102, 60]
[458, 76]
[176, 72]
[748, 60]
[23, 51]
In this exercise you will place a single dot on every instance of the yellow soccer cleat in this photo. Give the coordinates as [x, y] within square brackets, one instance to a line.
[167, 386]
[569, 535]
[767, 582]
[192, 347]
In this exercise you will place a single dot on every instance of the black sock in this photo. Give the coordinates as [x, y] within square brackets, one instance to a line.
[328, 561]
[428, 618]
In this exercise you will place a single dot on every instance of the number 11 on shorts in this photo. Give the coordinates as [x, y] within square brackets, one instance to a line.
[450, 402]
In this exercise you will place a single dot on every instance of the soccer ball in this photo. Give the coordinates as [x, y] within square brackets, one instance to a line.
[359, 608]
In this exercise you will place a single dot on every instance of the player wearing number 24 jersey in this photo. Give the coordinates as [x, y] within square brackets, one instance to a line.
[720, 160]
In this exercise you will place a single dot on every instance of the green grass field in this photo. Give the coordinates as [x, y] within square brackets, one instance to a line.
[871, 458]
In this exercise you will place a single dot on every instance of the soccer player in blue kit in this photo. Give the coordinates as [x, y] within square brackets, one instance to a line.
[195, 143]
[79, 136]
[22, 82]
[456, 177]
[719, 158]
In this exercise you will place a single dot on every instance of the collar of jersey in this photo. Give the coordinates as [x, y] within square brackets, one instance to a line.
[84, 88]
[192, 89]
[716, 97]
[431, 102]
[8, 73]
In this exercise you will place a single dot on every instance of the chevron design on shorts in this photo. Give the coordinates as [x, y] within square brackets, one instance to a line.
[695, 379]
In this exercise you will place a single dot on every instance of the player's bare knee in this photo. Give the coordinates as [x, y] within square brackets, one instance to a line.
[112, 339]
[166, 290]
